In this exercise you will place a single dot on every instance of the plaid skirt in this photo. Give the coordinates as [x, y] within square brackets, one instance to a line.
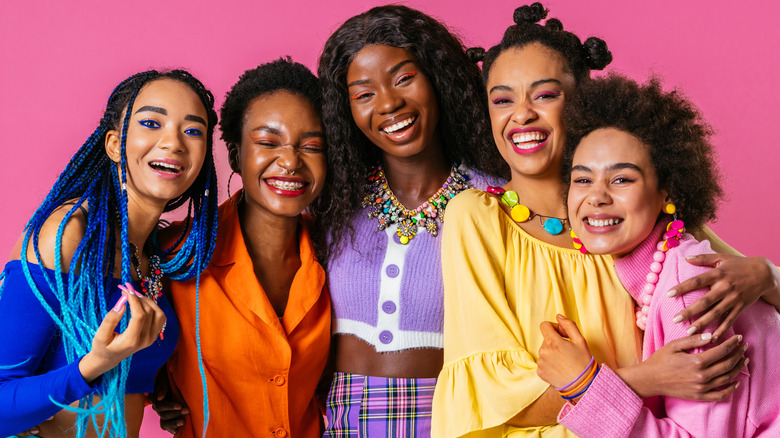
[379, 407]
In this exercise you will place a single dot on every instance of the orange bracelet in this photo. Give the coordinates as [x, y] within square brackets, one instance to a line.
[583, 383]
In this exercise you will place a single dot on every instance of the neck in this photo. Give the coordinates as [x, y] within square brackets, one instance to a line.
[414, 179]
[141, 221]
[268, 237]
[541, 195]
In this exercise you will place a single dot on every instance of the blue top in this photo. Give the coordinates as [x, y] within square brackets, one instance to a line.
[33, 366]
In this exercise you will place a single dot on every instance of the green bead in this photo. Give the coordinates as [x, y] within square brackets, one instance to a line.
[510, 198]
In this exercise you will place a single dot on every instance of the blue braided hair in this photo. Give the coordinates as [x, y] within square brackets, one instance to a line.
[91, 178]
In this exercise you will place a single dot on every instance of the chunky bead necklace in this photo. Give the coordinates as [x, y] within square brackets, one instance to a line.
[520, 213]
[383, 204]
[672, 240]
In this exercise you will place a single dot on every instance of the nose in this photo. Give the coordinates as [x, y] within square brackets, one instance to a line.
[598, 195]
[171, 140]
[388, 101]
[524, 113]
[288, 158]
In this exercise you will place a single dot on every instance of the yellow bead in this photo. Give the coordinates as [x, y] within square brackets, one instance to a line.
[520, 213]
[670, 208]
[665, 247]
[577, 245]
[404, 240]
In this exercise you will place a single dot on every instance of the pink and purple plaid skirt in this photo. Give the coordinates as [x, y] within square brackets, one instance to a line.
[379, 407]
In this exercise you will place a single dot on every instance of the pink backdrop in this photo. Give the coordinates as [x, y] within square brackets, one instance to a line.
[60, 60]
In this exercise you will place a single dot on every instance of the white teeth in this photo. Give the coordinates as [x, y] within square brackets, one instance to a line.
[603, 222]
[402, 124]
[290, 186]
[172, 167]
[528, 140]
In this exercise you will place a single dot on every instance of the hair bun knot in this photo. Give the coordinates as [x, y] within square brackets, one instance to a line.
[475, 54]
[597, 54]
[529, 14]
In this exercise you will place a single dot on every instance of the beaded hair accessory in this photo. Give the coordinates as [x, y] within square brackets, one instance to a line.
[383, 204]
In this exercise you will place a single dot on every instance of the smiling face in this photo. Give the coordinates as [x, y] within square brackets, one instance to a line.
[166, 141]
[281, 158]
[614, 199]
[392, 101]
[526, 92]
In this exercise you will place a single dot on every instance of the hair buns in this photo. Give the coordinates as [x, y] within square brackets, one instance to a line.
[475, 54]
[597, 54]
[530, 14]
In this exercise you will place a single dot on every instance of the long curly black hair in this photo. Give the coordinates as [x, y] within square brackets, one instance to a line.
[464, 124]
[672, 128]
[579, 58]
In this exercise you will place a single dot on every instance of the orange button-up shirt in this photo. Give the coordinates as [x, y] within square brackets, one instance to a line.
[261, 370]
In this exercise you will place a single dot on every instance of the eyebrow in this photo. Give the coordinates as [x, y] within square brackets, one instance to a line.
[616, 166]
[533, 85]
[274, 131]
[163, 111]
[390, 71]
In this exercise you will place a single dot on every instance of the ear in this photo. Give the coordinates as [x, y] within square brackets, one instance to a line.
[233, 159]
[114, 146]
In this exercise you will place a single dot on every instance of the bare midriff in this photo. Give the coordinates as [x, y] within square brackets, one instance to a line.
[353, 355]
[64, 423]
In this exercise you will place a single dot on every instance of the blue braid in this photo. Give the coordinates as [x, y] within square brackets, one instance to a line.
[91, 179]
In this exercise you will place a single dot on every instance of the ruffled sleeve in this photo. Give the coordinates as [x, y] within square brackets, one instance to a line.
[488, 376]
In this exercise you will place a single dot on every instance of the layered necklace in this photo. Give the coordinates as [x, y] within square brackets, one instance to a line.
[383, 204]
[520, 213]
[151, 286]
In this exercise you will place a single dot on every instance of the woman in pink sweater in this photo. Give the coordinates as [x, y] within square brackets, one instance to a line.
[641, 169]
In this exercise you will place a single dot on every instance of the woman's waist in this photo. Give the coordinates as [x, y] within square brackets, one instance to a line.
[356, 356]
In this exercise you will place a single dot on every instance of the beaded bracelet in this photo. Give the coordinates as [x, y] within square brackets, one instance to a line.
[563, 388]
[571, 397]
[585, 382]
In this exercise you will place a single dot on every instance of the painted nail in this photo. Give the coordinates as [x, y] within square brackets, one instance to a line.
[736, 386]
[739, 338]
[692, 329]
[677, 319]
[704, 336]
[671, 293]
[747, 361]
[120, 304]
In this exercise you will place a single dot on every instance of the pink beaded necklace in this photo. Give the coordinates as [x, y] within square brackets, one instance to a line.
[671, 240]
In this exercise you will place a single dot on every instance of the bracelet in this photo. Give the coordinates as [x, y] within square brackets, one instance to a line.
[563, 388]
[587, 379]
[571, 397]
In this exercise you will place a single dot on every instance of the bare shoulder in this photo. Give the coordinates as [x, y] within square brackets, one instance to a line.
[72, 234]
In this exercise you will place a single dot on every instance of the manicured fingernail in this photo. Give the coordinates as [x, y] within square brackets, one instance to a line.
[747, 361]
[739, 338]
[120, 304]
[677, 319]
[692, 329]
[185, 411]
[690, 257]
[704, 336]
[744, 346]
[736, 386]
[671, 293]
[34, 431]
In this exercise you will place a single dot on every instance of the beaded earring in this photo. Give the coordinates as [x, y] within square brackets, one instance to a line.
[578, 245]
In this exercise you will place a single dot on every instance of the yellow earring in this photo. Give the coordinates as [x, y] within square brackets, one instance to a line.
[670, 208]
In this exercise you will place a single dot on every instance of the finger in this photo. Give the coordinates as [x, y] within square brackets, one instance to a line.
[105, 332]
[689, 342]
[727, 322]
[571, 330]
[715, 296]
[549, 330]
[172, 426]
[719, 352]
[720, 394]
[726, 378]
[726, 305]
[702, 280]
[712, 260]
[30, 432]
[136, 326]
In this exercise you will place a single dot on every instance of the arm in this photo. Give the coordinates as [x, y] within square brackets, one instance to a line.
[488, 376]
[735, 282]
[166, 402]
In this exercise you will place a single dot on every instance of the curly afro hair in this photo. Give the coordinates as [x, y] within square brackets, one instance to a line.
[677, 137]
[282, 74]
[579, 58]
[464, 124]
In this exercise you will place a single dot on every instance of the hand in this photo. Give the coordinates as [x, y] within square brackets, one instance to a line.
[170, 410]
[673, 372]
[561, 360]
[109, 348]
[35, 430]
[735, 284]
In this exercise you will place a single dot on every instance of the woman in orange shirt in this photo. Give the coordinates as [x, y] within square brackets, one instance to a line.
[264, 310]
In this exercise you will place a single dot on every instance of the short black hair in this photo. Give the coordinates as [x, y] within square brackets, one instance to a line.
[677, 137]
[281, 74]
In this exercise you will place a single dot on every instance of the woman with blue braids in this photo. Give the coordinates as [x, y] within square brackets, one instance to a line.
[68, 346]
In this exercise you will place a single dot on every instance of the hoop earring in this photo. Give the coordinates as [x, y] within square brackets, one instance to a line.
[230, 194]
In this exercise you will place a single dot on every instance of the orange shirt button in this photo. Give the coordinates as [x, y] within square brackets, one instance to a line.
[280, 432]
[279, 381]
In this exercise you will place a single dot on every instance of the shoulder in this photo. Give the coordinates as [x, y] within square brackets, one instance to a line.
[689, 246]
[480, 180]
[72, 234]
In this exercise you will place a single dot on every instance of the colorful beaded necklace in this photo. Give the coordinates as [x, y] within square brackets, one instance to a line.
[151, 286]
[671, 240]
[520, 213]
[383, 204]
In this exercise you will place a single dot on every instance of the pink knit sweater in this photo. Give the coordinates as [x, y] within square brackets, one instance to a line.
[610, 409]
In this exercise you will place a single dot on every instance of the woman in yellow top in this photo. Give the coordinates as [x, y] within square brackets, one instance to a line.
[508, 265]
